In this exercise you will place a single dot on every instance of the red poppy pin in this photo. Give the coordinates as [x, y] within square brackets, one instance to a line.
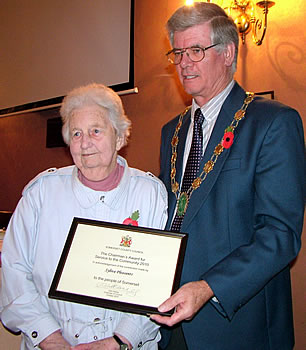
[228, 137]
[133, 219]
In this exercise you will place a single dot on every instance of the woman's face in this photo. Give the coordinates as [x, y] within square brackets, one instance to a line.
[93, 142]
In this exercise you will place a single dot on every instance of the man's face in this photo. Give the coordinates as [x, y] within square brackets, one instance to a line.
[207, 78]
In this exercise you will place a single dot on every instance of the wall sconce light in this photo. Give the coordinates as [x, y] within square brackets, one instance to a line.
[244, 14]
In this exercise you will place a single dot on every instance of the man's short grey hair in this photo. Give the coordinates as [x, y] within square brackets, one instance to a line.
[95, 95]
[223, 28]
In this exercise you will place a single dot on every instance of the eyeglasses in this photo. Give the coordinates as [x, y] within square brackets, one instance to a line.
[194, 53]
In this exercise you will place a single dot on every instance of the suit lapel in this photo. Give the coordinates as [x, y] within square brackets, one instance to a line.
[179, 162]
[231, 105]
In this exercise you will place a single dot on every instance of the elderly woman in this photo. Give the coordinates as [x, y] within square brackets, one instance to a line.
[99, 186]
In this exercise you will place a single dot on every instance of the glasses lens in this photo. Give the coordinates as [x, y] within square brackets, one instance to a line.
[175, 57]
[196, 54]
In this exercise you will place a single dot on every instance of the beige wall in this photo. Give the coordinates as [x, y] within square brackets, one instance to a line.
[279, 65]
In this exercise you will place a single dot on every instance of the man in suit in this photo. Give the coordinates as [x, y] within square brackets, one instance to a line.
[242, 208]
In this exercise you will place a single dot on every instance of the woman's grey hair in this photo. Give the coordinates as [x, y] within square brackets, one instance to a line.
[101, 96]
[223, 28]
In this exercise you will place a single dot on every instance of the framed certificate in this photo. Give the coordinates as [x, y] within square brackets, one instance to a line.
[126, 268]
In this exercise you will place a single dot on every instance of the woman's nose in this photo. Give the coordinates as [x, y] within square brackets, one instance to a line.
[86, 141]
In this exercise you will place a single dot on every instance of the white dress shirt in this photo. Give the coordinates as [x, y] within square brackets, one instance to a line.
[210, 111]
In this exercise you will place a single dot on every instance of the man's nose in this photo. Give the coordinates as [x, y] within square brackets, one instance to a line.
[185, 60]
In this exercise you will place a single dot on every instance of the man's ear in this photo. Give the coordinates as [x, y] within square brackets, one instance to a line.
[229, 54]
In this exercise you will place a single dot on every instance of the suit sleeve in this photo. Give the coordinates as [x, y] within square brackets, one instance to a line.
[279, 187]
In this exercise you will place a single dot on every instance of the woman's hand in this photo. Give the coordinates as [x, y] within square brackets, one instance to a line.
[55, 341]
[104, 344]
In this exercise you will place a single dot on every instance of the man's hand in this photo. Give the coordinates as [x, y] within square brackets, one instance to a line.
[54, 341]
[187, 301]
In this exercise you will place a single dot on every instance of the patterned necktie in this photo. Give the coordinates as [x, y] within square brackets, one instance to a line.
[193, 162]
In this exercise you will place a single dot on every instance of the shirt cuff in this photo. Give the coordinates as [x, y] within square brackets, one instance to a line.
[133, 333]
[41, 329]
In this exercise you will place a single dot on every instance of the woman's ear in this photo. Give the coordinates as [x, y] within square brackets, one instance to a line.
[119, 142]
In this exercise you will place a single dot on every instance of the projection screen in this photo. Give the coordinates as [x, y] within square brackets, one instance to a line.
[49, 47]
